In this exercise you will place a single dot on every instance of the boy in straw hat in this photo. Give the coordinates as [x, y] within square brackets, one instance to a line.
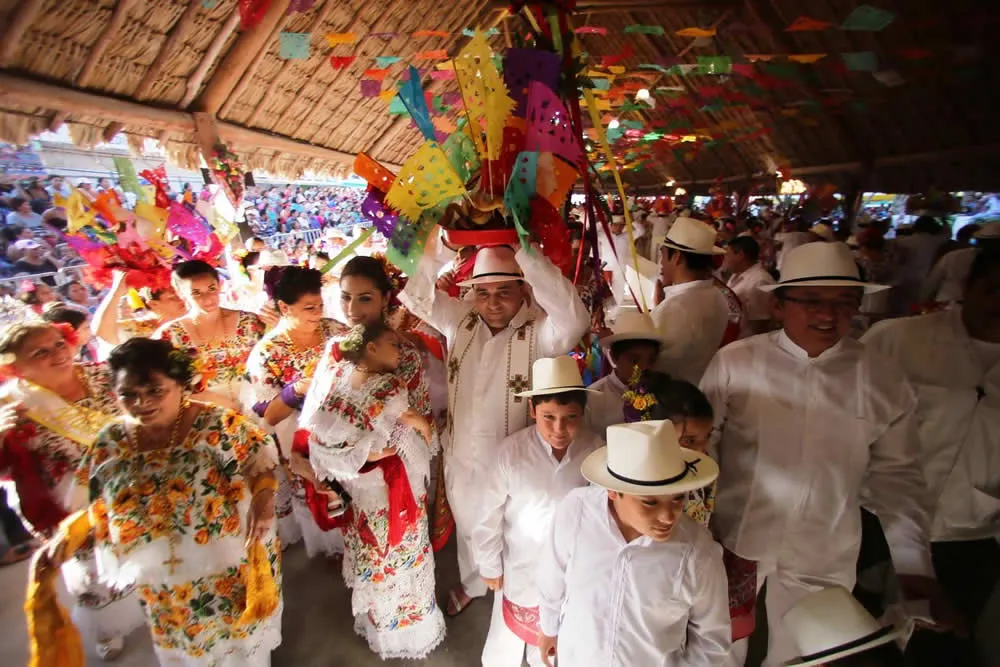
[533, 470]
[631, 348]
[626, 579]
[692, 315]
[811, 422]
[494, 335]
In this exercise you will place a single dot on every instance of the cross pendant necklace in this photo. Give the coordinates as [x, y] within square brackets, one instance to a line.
[173, 561]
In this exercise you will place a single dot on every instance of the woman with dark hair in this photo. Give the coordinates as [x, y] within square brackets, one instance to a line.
[62, 405]
[35, 295]
[279, 369]
[58, 312]
[220, 339]
[181, 500]
[152, 309]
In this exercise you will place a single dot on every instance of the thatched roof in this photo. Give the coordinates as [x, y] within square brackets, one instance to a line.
[168, 69]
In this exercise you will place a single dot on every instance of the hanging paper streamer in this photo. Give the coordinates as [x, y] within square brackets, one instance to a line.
[182, 222]
[443, 75]
[383, 62]
[807, 58]
[425, 180]
[553, 234]
[696, 32]
[300, 6]
[520, 190]
[549, 128]
[644, 30]
[373, 208]
[251, 12]
[341, 62]
[591, 30]
[337, 38]
[411, 92]
[461, 152]
[370, 88]
[293, 45]
[556, 179]
[439, 54]
[374, 173]
[866, 17]
[808, 24]
[714, 64]
[522, 66]
[485, 96]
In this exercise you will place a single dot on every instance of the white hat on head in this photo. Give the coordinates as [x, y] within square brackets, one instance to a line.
[990, 230]
[645, 459]
[555, 375]
[27, 244]
[821, 265]
[694, 236]
[495, 264]
[830, 624]
[632, 325]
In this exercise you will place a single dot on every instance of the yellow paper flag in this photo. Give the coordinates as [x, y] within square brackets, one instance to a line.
[337, 38]
[616, 69]
[425, 180]
[387, 95]
[697, 32]
[484, 94]
[806, 58]
[77, 213]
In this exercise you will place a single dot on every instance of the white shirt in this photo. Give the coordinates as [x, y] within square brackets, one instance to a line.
[946, 281]
[614, 603]
[658, 228]
[618, 256]
[608, 407]
[560, 321]
[525, 485]
[692, 319]
[804, 443]
[957, 380]
[756, 303]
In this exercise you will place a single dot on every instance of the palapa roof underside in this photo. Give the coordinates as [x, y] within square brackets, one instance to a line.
[158, 68]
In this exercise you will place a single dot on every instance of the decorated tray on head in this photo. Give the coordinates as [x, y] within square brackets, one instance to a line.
[501, 178]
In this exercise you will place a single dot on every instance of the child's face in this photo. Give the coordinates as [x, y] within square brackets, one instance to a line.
[557, 424]
[693, 433]
[642, 355]
[652, 516]
[383, 352]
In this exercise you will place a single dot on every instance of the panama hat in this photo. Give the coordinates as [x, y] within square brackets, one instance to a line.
[555, 375]
[495, 264]
[694, 236]
[830, 624]
[632, 325]
[821, 265]
[645, 459]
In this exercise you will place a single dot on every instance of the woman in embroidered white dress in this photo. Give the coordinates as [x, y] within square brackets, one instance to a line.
[366, 436]
[180, 492]
[279, 370]
[219, 338]
[63, 405]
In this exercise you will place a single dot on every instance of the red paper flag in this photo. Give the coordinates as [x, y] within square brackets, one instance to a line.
[807, 24]
[341, 62]
[591, 30]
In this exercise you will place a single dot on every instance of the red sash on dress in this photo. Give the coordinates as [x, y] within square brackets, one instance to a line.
[742, 577]
[403, 508]
[522, 621]
[316, 501]
[24, 466]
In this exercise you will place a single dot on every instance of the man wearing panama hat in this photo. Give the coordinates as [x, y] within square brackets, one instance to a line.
[627, 579]
[810, 423]
[532, 471]
[520, 308]
[692, 315]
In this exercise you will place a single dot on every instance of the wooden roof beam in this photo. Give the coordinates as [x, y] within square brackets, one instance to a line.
[180, 30]
[238, 59]
[108, 35]
[207, 60]
[24, 15]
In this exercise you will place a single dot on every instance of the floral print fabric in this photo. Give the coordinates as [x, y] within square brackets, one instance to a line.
[222, 362]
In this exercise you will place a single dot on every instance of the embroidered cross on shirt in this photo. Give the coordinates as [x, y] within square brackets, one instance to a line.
[453, 367]
[517, 384]
[173, 561]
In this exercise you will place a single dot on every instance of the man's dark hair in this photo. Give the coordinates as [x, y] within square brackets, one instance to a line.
[693, 261]
[746, 246]
[16, 202]
[925, 224]
[575, 397]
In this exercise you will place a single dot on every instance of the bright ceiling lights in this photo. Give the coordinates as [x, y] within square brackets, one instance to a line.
[643, 94]
[670, 183]
[680, 192]
[614, 124]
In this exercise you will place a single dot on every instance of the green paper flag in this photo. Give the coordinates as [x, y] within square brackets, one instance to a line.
[601, 84]
[396, 107]
[715, 64]
[644, 29]
[659, 68]
[868, 18]
[382, 62]
[860, 61]
[293, 45]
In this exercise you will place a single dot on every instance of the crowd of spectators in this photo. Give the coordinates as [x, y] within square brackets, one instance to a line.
[290, 208]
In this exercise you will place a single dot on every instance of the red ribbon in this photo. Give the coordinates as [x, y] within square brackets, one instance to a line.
[37, 505]
[402, 505]
[316, 501]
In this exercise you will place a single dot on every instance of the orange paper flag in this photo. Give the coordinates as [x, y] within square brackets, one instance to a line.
[697, 32]
[376, 74]
[431, 33]
[439, 54]
[335, 38]
[806, 24]
[806, 58]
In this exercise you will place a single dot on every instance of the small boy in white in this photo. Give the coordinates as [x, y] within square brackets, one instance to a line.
[534, 469]
[634, 343]
[627, 580]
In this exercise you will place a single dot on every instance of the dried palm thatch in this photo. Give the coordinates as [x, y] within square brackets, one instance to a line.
[108, 66]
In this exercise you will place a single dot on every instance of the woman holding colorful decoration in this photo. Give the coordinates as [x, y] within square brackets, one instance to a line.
[63, 405]
[161, 304]
[279, 370]
[181, 502]
[219, 338]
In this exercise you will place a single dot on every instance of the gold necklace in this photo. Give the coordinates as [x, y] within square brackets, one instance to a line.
[134, 437]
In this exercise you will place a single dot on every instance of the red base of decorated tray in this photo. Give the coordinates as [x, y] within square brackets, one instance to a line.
[481, 237]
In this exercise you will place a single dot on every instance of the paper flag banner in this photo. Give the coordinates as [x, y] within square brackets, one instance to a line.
[384, 36]
[601, 84]
[654, 66]
[522, 66]
[412, 93]
[209, 4]
[714, 64]
[866, 17]
[807, 58]
[337, 38]
[644, 29]
[889, 77]
[382, 62]
[443, 75]
[431, 33]
[808, 24]
[555, 179]
[341, 62]
[484, 94]
[549, 127]
[426, 180]
[591, 30]
[686, 69]
[370, 88]
[520, 189]
[461, 153]
[860, 61]
[444, 124]
[293, 45]
[300, 6]
[759, 57]
[396, 106]
[696, 32]
[387, 95]
[373, 208]
[469, 32]
[439, 54]
[376, 74]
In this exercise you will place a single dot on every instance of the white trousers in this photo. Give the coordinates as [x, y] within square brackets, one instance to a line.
[461, 483]
[503, 648]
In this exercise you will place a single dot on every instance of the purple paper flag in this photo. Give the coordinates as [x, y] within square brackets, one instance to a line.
[549, 128]
[374, 209]
[370, 88]
[523, 66]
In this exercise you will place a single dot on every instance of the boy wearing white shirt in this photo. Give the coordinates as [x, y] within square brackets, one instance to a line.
[535, 468]
[634, 343]
[627, 580]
